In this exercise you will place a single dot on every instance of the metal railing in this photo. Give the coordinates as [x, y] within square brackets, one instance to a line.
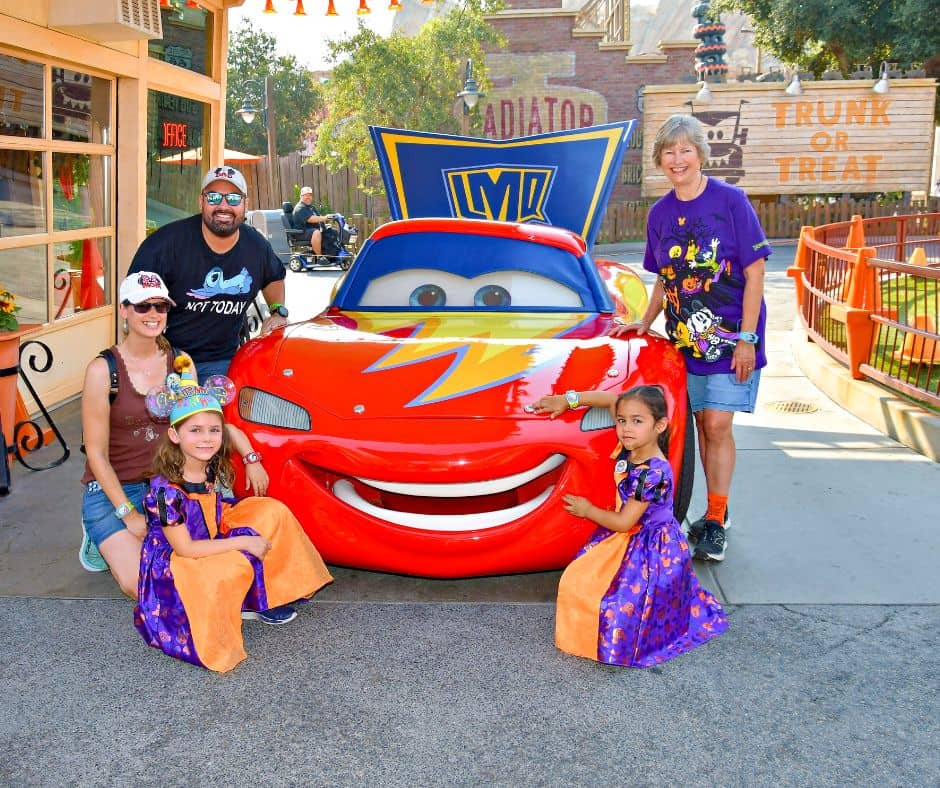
[868, 292]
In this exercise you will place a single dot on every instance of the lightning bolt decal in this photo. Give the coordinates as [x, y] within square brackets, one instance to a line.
[479, 361]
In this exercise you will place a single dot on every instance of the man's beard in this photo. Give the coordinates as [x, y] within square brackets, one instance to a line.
[221, 230]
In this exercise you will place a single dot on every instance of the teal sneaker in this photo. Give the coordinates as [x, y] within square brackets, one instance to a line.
[88, 555]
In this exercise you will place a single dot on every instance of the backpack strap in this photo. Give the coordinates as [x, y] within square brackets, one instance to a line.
[108, 355]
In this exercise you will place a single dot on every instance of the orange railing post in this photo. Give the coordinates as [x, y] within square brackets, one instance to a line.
[859, 327]
[801, 264]
[856, 236]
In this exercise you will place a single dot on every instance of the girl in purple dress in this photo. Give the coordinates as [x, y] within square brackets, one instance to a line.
[630, 596]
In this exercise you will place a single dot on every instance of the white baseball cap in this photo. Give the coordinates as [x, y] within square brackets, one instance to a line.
[142, 286]
[306, 190]
[226, 173]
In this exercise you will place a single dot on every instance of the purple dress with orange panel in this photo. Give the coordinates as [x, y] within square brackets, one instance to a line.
[632, 598]
[190, 608]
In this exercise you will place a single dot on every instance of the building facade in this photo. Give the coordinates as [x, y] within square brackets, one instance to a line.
[99, 102]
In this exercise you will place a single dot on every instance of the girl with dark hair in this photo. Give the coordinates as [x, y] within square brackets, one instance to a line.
[630, 596]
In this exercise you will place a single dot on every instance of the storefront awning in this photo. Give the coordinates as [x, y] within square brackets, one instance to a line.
[194, 156]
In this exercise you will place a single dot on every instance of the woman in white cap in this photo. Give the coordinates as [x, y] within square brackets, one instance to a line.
[121, 435]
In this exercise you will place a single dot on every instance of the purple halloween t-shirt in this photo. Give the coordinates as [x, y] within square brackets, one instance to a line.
[700, 249]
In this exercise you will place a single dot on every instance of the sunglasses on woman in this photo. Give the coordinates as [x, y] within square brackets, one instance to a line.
[143, 308]
[215, 198]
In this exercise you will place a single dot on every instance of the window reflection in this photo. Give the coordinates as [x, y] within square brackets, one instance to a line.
[176, 128]
[80, 191]
[21, 97]
[23, 273]
[22, 196]
[81, 271]
[81, 107]
[187, 36]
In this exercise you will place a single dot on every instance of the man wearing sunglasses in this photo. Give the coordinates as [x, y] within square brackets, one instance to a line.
[214, 266]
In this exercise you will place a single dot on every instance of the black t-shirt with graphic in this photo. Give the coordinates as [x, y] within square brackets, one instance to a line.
[212, 291]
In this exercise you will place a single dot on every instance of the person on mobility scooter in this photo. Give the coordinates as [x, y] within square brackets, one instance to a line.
[317, 241]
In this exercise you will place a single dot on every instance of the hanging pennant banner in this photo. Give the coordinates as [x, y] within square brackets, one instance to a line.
[563, 178]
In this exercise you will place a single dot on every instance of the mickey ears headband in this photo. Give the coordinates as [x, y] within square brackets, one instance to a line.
[182, 397]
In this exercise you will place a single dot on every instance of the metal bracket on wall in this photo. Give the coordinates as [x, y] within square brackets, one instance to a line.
[28, 435]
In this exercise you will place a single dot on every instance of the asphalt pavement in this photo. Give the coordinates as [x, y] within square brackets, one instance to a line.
[827, 675]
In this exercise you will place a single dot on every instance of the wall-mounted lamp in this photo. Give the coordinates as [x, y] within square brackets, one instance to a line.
[881, 86]
[704, 95]
[795, 88]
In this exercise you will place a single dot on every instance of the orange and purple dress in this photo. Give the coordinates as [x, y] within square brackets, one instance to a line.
[632, 598]
[190, 608]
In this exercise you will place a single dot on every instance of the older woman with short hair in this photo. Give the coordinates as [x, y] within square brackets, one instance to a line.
[705, 243]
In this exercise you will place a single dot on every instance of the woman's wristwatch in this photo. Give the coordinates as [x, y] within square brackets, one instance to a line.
[573, 399]
[252, 457]
[748, 336]
[123, 510]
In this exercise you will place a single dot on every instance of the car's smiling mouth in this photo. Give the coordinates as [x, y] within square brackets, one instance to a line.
[458, 507]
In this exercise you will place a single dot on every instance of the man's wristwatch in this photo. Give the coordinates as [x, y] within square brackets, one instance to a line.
[748, 336]
[252, 456]
[123, 510]
[572, 398]
[278, 309]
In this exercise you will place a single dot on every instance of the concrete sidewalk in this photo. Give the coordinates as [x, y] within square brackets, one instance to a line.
[823, 679]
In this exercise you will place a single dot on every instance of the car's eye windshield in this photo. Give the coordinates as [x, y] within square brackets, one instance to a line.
[429, 288]
[449, 271]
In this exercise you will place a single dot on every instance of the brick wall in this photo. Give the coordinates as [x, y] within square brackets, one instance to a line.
[546, 79]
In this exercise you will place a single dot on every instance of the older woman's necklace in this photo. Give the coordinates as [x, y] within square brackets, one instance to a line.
[699, 188]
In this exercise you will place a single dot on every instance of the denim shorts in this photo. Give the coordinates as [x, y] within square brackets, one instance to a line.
[98, 511]
[722, 391]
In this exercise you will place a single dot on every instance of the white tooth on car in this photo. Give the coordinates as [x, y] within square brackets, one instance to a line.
[344, 490]
[469, 488]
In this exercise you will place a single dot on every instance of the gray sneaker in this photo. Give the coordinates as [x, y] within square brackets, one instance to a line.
[88, 555]
[697, 528]
[711, 547]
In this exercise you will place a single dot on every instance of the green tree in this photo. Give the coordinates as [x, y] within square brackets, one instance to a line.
[836, 34]
[401, 81]
[253, 55]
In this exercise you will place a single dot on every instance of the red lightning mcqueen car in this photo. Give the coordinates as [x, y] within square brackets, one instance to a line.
[395, 424]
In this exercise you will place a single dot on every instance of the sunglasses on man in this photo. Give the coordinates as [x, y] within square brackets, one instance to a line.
[215, 198]
[143, 308]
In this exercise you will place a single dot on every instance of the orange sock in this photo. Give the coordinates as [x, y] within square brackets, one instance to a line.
[717, 506]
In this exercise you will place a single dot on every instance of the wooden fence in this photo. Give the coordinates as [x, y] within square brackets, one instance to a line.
[625, 221]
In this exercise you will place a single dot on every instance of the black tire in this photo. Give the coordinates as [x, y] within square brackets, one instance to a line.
[296, 264]
[683, 496]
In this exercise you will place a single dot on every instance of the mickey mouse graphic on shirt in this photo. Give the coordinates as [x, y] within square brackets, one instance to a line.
[705, 333]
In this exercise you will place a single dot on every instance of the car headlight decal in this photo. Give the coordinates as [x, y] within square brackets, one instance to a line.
[596, 419]
[263, 408]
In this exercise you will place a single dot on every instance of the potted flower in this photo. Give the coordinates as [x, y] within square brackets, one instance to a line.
[8, 310]
[9, 361]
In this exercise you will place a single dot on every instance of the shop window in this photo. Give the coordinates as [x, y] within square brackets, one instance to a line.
[81, 107]
[187, 38]
[82, 271]
[81, 194]
[56, 196]
[23, 272]
[21, 97]
[176, 127]
[22, 193]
